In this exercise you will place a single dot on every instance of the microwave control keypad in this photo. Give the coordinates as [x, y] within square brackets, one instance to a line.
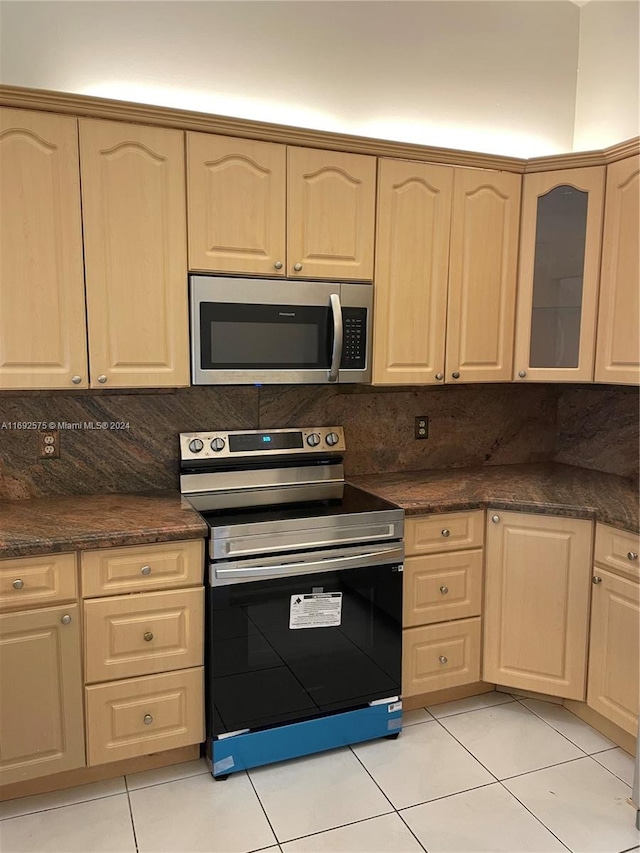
[354, 324]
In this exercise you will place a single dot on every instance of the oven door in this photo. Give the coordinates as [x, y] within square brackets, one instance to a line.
[299, 639]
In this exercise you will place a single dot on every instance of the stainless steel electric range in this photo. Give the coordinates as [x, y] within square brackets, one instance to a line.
[304, 596]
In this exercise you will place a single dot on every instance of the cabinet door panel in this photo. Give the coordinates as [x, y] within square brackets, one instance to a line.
[482, 275]
[614, 659]
[237, 204]
[41, 716]
[412, 257]
[436, 657]
[37, 581]
[560, 238]
[536, 603]
[441, 587]
[43, 339]
[618, 348]
[331, 214]
[133, 194]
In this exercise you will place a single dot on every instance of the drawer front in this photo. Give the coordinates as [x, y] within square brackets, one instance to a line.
[618, 551]
[144, 715]
[451, 531]
[139, 568]
[37, 581]
[142, 634]
[439, 656]
[441, 587]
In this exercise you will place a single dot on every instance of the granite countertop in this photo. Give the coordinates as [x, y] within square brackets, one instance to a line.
[46, 525]
[548, 488]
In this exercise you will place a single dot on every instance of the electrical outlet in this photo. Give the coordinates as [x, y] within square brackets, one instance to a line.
[49, 444]
[421, 427]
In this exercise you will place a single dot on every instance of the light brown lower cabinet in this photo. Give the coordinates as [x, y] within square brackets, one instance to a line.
[436, 657]
[536, 613]
[41, 713]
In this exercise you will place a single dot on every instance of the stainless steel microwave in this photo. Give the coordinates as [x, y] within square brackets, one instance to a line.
[246, 331]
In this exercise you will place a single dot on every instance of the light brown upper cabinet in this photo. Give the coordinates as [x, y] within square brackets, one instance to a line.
[445, 231]
[261, 208]
[618, 346]
[134, 213]
[412, 258]
[560, 239]
[237, 203]
[43, 341]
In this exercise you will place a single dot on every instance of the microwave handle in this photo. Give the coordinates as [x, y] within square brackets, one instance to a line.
[336, 355]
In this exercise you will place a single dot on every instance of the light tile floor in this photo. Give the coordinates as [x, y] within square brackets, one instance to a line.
[490, 774]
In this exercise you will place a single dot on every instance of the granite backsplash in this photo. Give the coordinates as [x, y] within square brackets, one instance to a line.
[468, 425]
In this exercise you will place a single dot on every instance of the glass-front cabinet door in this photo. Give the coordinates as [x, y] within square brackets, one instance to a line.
[560, 240]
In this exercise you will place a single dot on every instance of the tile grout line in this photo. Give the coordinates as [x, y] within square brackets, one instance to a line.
[566, 737]
[61, 806]
[133, 823]
[533, 814]
[262, 806]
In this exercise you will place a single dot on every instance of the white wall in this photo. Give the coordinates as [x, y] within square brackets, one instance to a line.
[608, 93]
[494, 76]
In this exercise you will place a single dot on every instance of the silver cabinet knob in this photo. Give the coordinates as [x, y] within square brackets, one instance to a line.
[66, 619]
[446, 533]
[278, 265]
[102, 379]
[17, 584]
[443, 659]
[76, 379]
[147, 719]
[455, 374]
[495, 519]
[439, 377]
[297, 267]
[444, 590]
[522, 373]
[148, 636]
[145, 570]
[631, 555]
[595, 579]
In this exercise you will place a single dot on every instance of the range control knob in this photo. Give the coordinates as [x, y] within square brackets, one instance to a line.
[332, 438]
[313, 440]
[217, 445]
[196, 445]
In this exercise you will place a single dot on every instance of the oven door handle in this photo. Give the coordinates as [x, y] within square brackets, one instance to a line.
[336, 355]
[351, 561]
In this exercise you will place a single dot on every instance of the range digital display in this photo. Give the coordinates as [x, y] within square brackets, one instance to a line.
[265, 441]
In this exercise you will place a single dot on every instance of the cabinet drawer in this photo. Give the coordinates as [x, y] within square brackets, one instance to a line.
[440, 587]
[618, 551]
[37, 581]
[142, 634]
[449, 531]
[144, 715]
[138, 568]
[439, 656]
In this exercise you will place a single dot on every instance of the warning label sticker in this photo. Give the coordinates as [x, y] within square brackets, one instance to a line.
[315, 610]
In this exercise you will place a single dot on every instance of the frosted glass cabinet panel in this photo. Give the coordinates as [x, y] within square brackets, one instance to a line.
[558, 280]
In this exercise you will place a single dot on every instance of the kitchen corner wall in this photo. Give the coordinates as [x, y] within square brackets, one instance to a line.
[468, 425]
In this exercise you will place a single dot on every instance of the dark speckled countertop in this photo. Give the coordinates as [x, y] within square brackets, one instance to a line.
[46, 525]
[549, 488]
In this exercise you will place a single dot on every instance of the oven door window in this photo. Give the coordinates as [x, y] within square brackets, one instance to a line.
[265, 337]
[265, 672]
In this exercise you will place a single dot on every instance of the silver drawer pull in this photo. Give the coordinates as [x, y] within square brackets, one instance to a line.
[147, 720]
[595, 579]
[444, 590]
[443, 659]
[18, 584]
[446, 532]
[631, 555]
[66, 619]
[148, 636]
[145, 570]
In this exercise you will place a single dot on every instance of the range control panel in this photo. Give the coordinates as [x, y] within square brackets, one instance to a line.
[247, 443]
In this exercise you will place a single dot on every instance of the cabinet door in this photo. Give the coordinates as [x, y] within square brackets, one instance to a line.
[41, 715]
[133, 195]
[237, 204]
[537, 581]
[482, 276]
[412, 258]
[618, 347]
[614, 661]
[331, 214]
[560, 239]
[43, 338]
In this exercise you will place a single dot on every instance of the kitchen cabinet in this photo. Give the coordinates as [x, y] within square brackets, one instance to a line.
[560, 240]
[261, 208]
[618, 342]
[42, 308]
[446, 254]
[536, 609]
[134, 216]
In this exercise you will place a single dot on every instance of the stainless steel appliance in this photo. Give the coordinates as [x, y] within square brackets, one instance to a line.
[304, 596]
[246, 331]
